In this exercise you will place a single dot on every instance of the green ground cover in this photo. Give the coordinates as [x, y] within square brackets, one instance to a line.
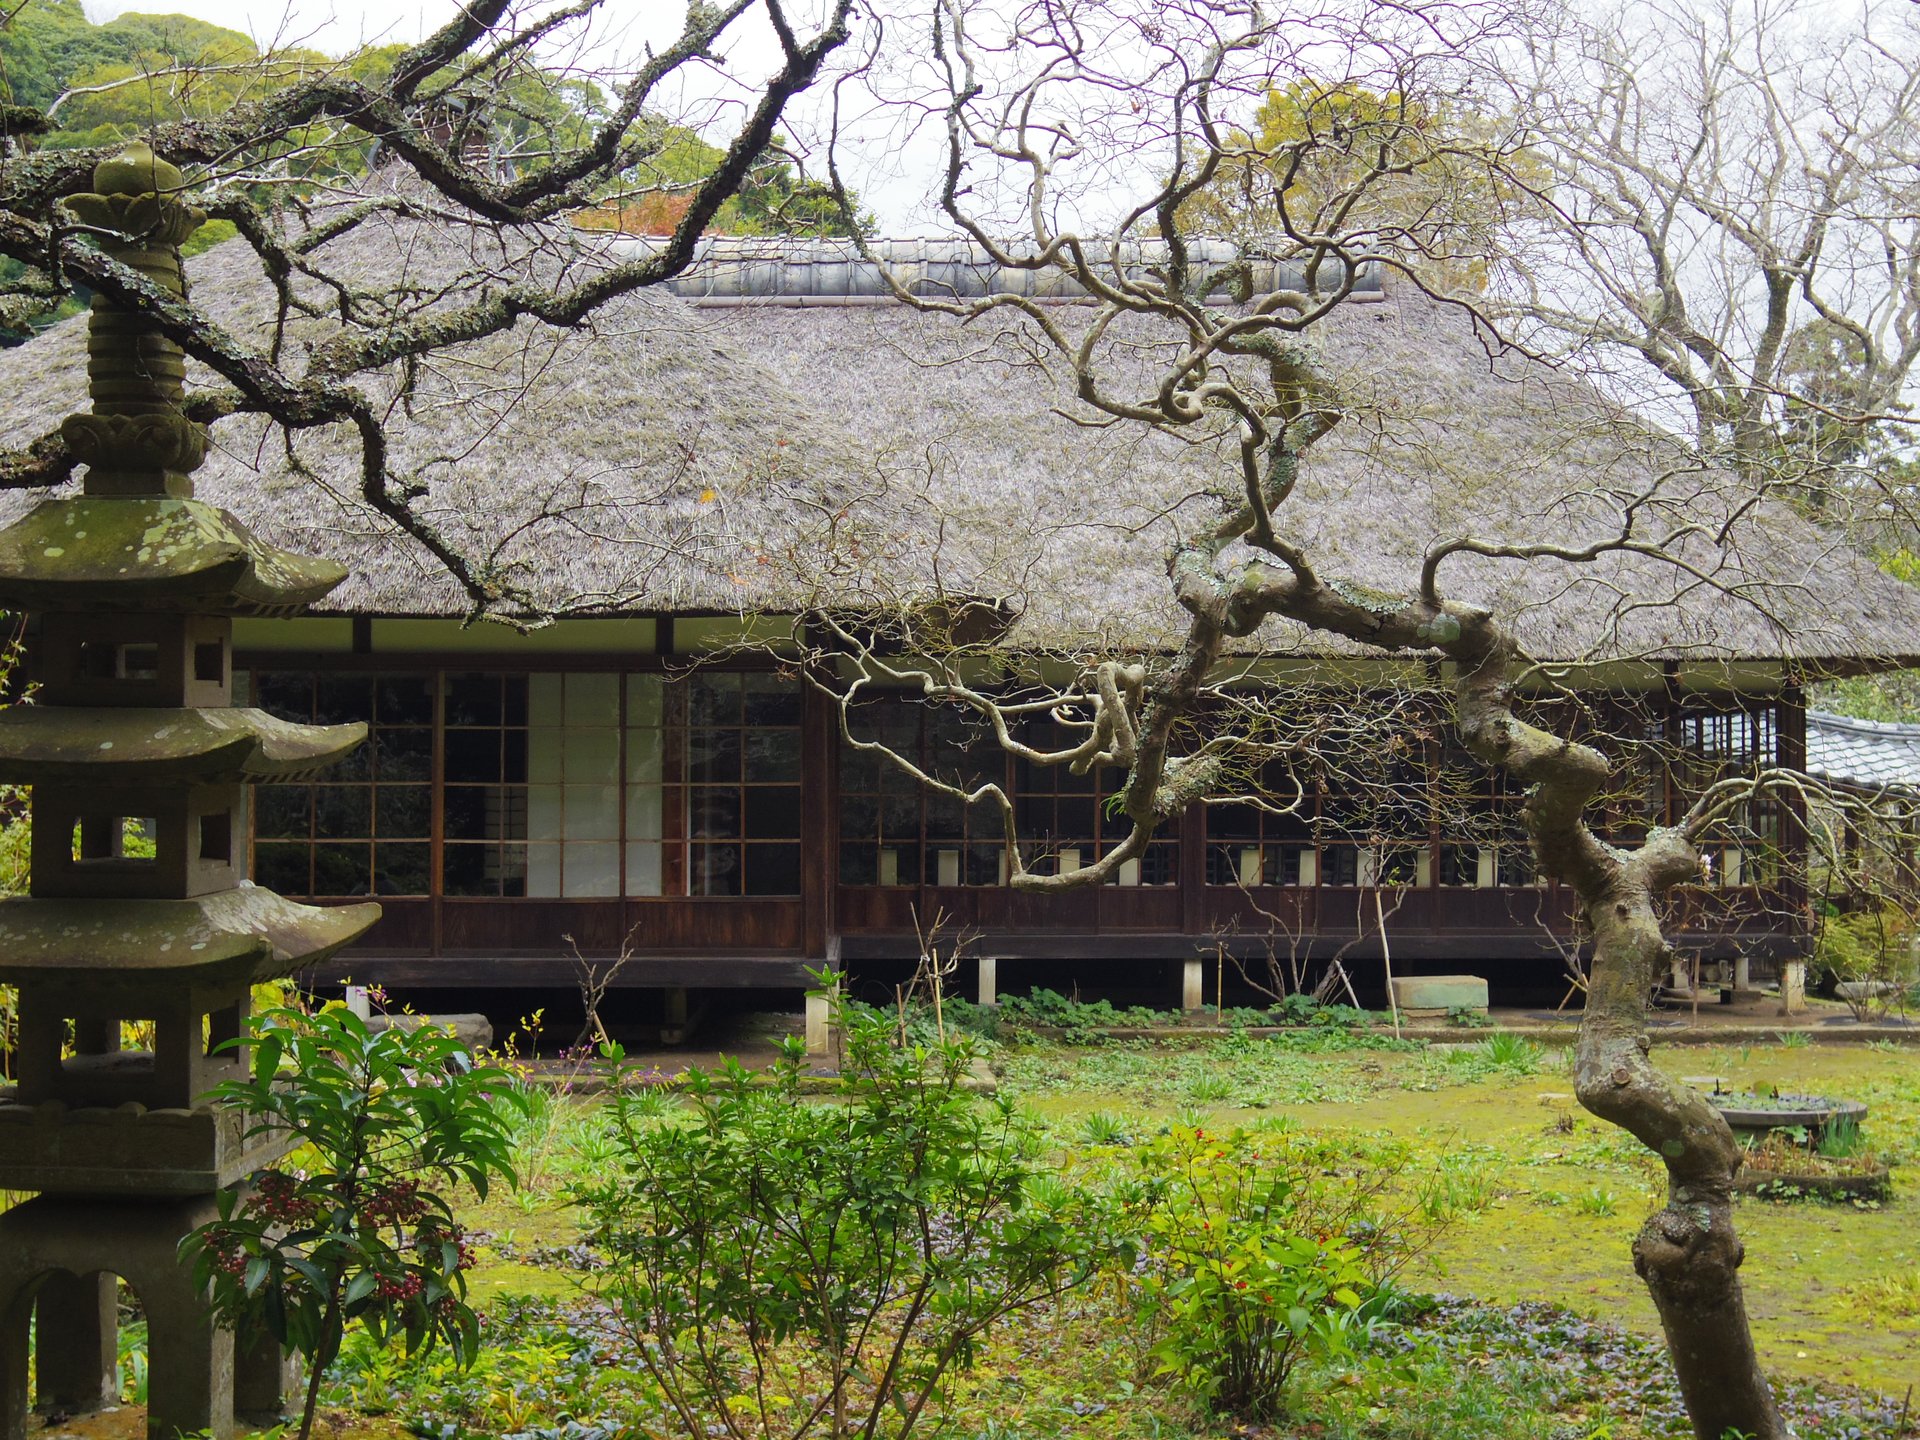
[1551, 1198]
[1526, 1208]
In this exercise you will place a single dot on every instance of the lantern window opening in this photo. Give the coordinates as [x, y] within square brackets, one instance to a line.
[210, 662]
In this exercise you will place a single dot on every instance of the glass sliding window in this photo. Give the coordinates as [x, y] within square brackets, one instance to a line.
[1483, 841]
[1057, 810]
[1375, 815]
[486, 824]
[576, 785]
[656, 855]
[365, 826]
[573, 785]
[1715, 738]
[964, 844]
[1068, 820]
[1362, 819]
[880, 802]
[1628, 728]
[742, 784]
[1250, 845]
[894, 831]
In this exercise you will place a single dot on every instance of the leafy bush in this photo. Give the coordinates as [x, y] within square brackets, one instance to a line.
[1871, 950]
[1081, 1021]
[787, 1268]
[1255, 1263]
[1299, 1009]
[358, 1234]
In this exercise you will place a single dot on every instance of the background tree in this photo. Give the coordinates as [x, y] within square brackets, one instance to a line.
[1435, 176]
[1724, 220]
[1721, 223]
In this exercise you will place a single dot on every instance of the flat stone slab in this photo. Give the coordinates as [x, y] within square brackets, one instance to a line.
[474, 1031]
[129, 1149]
[1438, 994]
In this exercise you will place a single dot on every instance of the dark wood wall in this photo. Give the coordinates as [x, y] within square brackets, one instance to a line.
[759, 940]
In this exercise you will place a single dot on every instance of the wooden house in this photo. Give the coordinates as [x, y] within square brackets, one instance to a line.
[696, 465]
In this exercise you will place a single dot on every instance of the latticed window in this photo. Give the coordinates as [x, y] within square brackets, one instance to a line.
[572, 785]
[894, 831]
[1713, 738]
[365, 827]
[743, 784]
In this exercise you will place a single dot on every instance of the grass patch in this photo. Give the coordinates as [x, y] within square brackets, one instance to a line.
[1550, 1336]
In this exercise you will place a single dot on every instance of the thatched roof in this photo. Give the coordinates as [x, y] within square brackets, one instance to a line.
[679, 456]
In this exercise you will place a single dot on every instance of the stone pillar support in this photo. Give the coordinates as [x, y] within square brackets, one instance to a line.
[1193, 974]
[820, 1005]
[1793, 985]
[49, 1240]
[76, 1359]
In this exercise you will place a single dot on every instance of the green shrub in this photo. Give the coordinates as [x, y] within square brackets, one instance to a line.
[1252, 1264]
[1514, 1054]
[1080, 1022]
[791, 1268]
[358, 1234]
[1299, 1009]
[1873, 949]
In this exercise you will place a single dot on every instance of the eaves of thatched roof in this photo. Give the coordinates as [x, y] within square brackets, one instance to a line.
[676, 455]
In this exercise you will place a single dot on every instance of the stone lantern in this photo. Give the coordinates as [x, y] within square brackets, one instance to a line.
[139, 909]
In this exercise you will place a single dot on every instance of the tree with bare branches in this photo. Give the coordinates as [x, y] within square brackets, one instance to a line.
[1046, 117]
[1721, 218]
[1042, 117]
[326, 148]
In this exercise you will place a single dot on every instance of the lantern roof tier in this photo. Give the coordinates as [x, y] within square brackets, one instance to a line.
[151, 552]
[146, 947]
[76, 745]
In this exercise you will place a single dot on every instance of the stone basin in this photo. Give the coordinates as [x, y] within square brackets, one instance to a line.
[1754, 1114]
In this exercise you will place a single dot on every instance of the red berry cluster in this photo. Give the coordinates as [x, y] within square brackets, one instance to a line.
[225, 1247]
[396, 1204]
[405, 1287]
[277, 1200]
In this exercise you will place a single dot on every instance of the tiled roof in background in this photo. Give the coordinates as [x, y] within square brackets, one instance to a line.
[1869, 753]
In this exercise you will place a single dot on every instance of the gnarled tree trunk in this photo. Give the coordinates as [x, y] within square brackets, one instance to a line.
[1687, 1252]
